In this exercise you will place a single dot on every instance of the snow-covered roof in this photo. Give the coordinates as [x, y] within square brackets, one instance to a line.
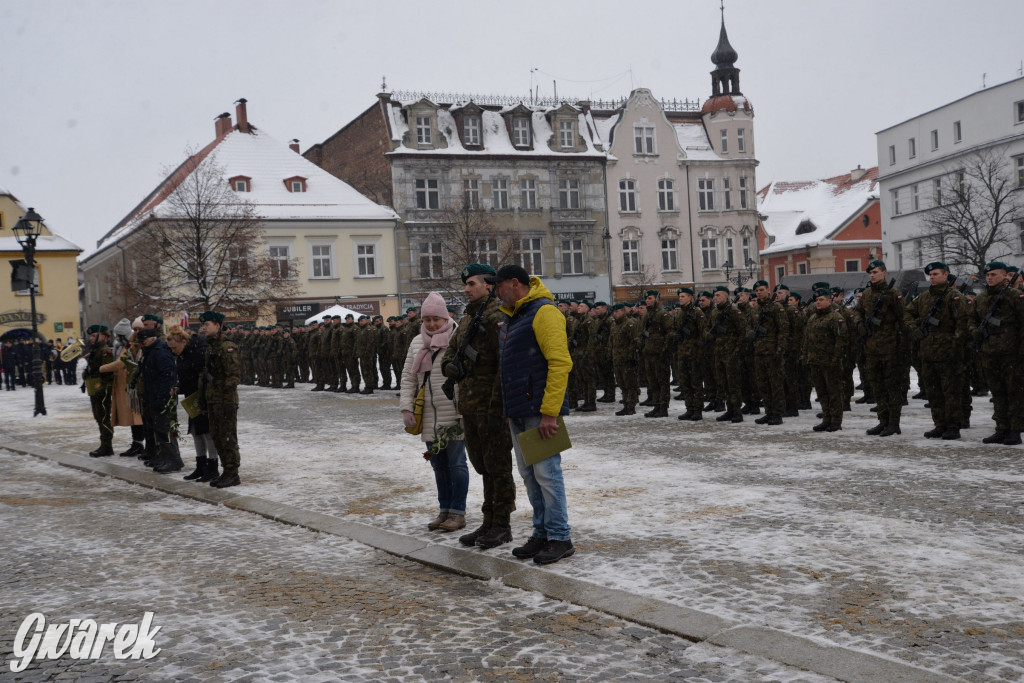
[693, 140]
[43, 243]
[333, 311]
[826, 204]
[267, 163]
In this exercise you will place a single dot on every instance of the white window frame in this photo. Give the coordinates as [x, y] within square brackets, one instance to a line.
[423, 130]
[1020, 170]
[366, 258]
[669, 254]
[958, 132]
[899, 255]
[567, 134]
[892, 155]
[36, 284]
[427, 190]
[915, 200]
[725, 141]
[318, 261]
[531, 255]
[630, 254]
[935, 139]
[730, 253]
[780, 272]
[643, 140]
[745, 248]
[241, 186]
[706, 194]
[896, 203]
[1018, 110]
[298, 186]
[741, 142]
[499, 194]
[801, 268]
[521, 131]
[430, 253]
[472, 131]
[667, 195]
[528, 193]
[627, 195]
[743, 191]
[726, 194]
[1020, 233]
[471, 192]
[486, 249]
[937, 192]
[911, 148]
[709, 253]
[572, 256]
[568, 193]
[282, 260]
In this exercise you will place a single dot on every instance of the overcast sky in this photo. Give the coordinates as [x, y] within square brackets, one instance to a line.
[100, 96]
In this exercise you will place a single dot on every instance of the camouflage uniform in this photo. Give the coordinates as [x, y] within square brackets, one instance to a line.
[999, 347]
[603, 357]
[883, 361]
[99, 355]
[366, 352]
[581, 346]
[624, 338]
[384, 354]
[657, 326]
[727, 330]
[822, 351]
[770, 336]
[218, 387]
[690, 330]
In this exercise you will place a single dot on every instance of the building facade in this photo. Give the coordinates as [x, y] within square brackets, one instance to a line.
[321, 234]
[820, 226]
[56, 280]
[920, 158]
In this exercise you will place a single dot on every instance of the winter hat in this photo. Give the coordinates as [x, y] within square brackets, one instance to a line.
[434, 305]
[137, 323]
[123, 328]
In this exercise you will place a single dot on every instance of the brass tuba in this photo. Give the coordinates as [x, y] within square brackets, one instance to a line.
[71, 351]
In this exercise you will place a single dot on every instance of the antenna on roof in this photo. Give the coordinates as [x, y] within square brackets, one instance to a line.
[383, 83]
[983, 81]
[1020, 69]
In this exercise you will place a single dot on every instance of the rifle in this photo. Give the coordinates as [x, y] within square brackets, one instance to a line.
[644, 336]
[873, 322]
[684, 332]
[990, 319]
[466, 352]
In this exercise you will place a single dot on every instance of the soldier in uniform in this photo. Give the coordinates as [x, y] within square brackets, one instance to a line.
[103, 383]
[366, 352]
[879, 318]
[313, 351]
[471, 361]
[690, 329]
[383, 350]
[999, 330]
[822, 349]
[603, 352]
[654, 334]
[337, 362]
[770, 337]
[748, 375]
[287, 357]
[727, 329]
[715, 402]
[397, 340]
[581, 347]
[940, 326]
[218, 396]
[624, 339]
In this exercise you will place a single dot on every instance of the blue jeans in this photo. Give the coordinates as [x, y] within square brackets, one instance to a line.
[452, 476]
[544, 487]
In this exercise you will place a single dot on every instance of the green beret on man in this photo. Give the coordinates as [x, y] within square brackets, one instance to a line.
[685, 290]
[652, 292]
[782, 285]
[935, 265]
[1012, 269]
[600, 303]
[760, 283]
[706, 293]
[822, 292]
[93, 329]
[722, 288]
[477, 269]
[875, 264]
[211, 317]
[154, 317]
[995, 265]
[796, 295]
[821, 284]
[619, 306]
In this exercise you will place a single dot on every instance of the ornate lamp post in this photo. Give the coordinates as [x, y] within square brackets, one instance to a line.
[26, 231]
[744, 273]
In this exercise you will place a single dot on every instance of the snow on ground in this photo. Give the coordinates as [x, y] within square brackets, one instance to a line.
[904, 547]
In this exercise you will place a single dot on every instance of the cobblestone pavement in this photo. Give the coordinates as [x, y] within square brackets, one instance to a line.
[237, 597]
[903, 547]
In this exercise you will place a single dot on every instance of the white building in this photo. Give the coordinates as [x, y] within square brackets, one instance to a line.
[917, 158]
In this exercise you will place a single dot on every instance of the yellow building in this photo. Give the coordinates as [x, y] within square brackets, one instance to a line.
[57, 312]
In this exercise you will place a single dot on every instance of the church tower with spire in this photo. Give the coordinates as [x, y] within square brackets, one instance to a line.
[728, 115]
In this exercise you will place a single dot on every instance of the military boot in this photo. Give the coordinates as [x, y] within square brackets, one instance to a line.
[101, 452]
[951, 434]
[890, 429]
[495, 536]
[998, 437]
[588, 408]
[876, 430]
[726, 416]
[1012, 438]
[763, 420]
[821, 427]
[774, 420]
[470, 538]
[686, 416]
[607, 397]
[935, 433]
[226, 480]
[135, 449]
[696, 417]
[834, 427]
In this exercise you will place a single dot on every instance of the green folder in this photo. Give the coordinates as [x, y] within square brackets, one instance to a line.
[535, 449]
[191, 404]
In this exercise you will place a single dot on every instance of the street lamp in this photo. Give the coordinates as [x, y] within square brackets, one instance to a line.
[742, 275]
[26, 231]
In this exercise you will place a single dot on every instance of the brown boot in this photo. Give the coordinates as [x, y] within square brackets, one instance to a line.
[438, 521]
[453, 523]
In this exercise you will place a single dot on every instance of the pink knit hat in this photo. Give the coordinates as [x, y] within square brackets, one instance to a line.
[434, 305]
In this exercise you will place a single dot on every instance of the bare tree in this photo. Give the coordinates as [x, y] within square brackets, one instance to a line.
[977, 207]
[203, 251]
[639, 282]
[464, 234]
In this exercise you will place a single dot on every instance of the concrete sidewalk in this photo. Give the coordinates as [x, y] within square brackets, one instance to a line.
[830, 660]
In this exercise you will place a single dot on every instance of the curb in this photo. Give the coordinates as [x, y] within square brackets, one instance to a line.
[822, 658]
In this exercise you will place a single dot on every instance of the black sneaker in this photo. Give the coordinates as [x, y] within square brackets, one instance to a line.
[470, 538]
[530, 548]
[554, 551]
[497, 535]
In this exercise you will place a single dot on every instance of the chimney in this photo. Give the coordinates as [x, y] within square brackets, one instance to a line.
[294, 145]
[243, 119]
[857, 173]
[222, 125]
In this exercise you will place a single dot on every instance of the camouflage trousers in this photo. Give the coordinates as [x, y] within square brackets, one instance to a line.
[656, 370]
[101, 413]
[224, 430]
[489, 447]
[605, 373]
[829, 385]
[351, 365]
[771, 383]
[368, 366]
[627, 376]
[384, 363]
[887, 376]
[727, 377]
[586, 378]
[943, 383]
[690, 374]
[1000, 374]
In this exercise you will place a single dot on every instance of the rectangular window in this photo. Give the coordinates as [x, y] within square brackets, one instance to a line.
[741, 143]
[669, 255]
[423, 130]
[892, 154]
[487, 251]
[35, 286]
[801, 268]
[572, 257]
[643, 139]
[935, 140]
[743, 192]
[241, 186]
[427, 196]
[706, 194]
[725, 142]
[957, 132]
[431, 263]
[919, 252]
[568, 194]
[899, 255]
[471, 193]
[730, 257]
[937, 192]
[1020, 233]
[321, 260]
[745, 243]
[366, 259]
[279, 262]
[709, 252]
[521, 132]
[471, 130]
[298, 186]
[1019, 111]
[567, 134]
[528, 193]
[666, 195]
[1020, 171]
[238, 262]
[531, 255]
[780, 272]
[499, 193]
[727, 193]
[630, 256]
[627, 196]
[852, 265]
[911, 148]
[915, 203]
[896, 203]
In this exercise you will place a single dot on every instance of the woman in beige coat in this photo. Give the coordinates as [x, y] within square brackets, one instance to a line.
[442, 430]
[121, 413]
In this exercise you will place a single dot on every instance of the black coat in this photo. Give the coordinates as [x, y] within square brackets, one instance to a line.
[159, 374]
[190, 364]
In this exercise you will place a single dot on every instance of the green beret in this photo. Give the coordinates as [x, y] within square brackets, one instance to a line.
[586, 303]
[327, 316]
[364, 317]
[1012, 269]
[450, 309]
[706, 293]
[858, 290]
[600, 303]
[652, 292]
[722, 288]
[822, 292]
[411, 309]
[97, 328]
[935, 265]
[796, 295]
[335, 317]
[970, 292]
[211, 316]
[154, 317]
[836, 290]
[875, 264]
[477, 269]
[760, 283]
[996, 265]
[781, 285]
[619, 306]
[820, 285]
[738, 290]
[684, 290]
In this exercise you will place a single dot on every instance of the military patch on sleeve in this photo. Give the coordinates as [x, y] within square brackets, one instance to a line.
[231, 350]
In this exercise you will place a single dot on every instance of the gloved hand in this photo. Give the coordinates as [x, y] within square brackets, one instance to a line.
[452, 370]
[917, 335]
[82, 387]
[409, 419]
[751, 335]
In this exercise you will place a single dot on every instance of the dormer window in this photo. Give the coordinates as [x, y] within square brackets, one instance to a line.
[567, 134]
[805, 227]
[521, 131]
[295, 184]
[471, 131]
[241, 183]
[423, 130]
